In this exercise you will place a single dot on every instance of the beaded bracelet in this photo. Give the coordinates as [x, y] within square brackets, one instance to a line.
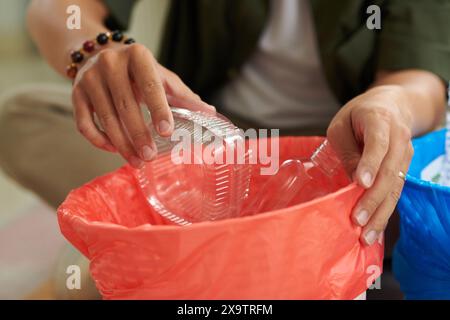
[90, 46]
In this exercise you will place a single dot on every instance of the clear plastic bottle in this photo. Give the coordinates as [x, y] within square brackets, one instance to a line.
[292, 176]
[183, 183]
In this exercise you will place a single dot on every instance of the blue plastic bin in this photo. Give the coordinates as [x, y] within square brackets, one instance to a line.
[422, 255]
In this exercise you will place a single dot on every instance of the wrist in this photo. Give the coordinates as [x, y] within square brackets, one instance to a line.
[92, 47]
[398, 97]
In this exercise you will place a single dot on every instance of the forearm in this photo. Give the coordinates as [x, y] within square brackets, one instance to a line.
[425, 96]
[46, 21]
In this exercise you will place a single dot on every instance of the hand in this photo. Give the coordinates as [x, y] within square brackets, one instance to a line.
[111, 85]
[372, 136]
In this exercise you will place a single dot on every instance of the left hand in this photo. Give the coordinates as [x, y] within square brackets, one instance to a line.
[372, 136]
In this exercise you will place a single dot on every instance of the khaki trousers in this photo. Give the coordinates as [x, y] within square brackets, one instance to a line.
[40, 147]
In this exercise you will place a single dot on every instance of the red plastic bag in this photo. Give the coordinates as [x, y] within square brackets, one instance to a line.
[308, 251]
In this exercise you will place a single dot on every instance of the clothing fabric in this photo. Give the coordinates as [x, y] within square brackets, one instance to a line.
[283, 84]
[206, 42]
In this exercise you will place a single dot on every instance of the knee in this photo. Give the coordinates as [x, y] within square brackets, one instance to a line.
[14, 133]
[8, 126]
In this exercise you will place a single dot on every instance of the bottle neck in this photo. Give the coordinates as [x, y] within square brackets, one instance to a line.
[326, 159]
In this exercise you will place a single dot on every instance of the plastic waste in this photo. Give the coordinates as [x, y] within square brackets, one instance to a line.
[445, 175]
[292, 177]
[307, 251]
[422, 254]
[191, 179]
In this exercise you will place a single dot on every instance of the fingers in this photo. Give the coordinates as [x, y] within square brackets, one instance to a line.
[85, 122]
[112, 84]
[378, 221]
[115, 71]
[376, 144]
[143, 69]
[381, 127]
[186, 103]
[386, 178]
[377, 204]
[104, 108]
[181, 96]
[341, 137]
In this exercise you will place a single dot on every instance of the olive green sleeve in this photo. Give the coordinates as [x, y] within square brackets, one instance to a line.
[415, 34]
[120, 11]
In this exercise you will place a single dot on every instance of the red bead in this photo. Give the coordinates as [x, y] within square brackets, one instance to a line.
[71, 71]
[89, 46]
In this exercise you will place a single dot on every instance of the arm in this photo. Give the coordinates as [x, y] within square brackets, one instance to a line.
[112, 82]
[426, 93]
[372, 134]
[46, 21]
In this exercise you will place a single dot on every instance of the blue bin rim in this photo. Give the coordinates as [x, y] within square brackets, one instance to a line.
[423, 184]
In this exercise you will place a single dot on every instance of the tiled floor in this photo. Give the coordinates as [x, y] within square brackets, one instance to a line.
[29, 235]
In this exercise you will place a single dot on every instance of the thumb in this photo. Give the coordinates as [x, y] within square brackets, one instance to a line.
[191, 103]
[350, 160]
[180, 95]
[342, 140]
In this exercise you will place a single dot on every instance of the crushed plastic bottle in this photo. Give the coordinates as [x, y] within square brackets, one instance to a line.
[293, 176]
[190, 182]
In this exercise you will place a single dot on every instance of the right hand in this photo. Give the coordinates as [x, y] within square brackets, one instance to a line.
[111, 84]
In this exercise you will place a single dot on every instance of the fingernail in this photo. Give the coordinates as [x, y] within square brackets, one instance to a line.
[381, 238]
[370, 237]
[164, 127]
[207, 107]
[136, 162]
[109, 147]
[366, 179]
[147, 153]
[362, 217]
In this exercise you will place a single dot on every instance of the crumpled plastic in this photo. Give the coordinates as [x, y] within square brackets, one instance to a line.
[308, 251]
[422, 254]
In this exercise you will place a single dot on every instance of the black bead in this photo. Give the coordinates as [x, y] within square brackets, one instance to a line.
[102, 39]
[77, 57]
[129, 41]
[117, 36]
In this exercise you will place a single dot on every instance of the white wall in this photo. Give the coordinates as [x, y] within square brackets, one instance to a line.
[148, 20]
[12, 27]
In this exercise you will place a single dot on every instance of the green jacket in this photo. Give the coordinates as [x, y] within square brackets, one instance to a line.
[207, 41]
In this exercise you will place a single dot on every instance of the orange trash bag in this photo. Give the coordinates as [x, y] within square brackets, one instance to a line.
[307, 251]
